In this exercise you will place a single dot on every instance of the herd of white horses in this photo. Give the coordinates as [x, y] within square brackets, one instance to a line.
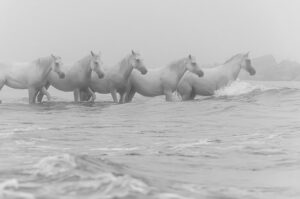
[129, 76]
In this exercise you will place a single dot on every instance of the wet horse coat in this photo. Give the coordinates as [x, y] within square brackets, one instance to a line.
[31, 75]
[116, 78]
[215, 78]
[162, 81]
[77, 76]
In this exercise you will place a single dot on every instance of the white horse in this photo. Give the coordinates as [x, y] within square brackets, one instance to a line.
[78, 76]
[116, 78]
[215, 78]
[31, 75]
[162, 81]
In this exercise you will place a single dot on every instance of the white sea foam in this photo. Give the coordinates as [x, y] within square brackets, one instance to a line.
[197, 143]
[103, 184]
[239, 88]
[171, 196]
[9, 189]
[54, 165]
[30, 128]
[115, 149]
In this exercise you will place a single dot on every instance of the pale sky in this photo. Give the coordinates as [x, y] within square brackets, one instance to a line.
[161, 30]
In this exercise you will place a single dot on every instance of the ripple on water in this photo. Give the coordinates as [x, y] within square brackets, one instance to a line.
[68, 175]
[243, 142]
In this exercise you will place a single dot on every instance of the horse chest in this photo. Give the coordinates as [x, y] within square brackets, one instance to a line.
[118, 82]
[169, 83]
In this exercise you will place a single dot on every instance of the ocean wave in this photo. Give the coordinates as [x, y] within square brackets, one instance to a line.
[240, 88]
[9, 189]
[190, 149]
[29, 128]
[232, 192]
[217, 192]
[83, 175]
[171, 196]
[250, 89]
[54, 165]
[197, 143]
[115, 149]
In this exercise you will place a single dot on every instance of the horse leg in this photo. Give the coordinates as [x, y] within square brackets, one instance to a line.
[32, 94]
[122, 98]
[76, 95]
[43, 92]
[2, 83]
[84, 95]
[185, 91]
[130, 95]
[114, 96]
[92, 94]
[81, 94]
[169, 96]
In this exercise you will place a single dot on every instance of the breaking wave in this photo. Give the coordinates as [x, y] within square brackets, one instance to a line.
[69, 175]
[240, 88]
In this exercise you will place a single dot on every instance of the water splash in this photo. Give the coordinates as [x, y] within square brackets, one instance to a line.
[83, 175]
[8, 189]
[54, 165]
[239, 88]
[198, 143]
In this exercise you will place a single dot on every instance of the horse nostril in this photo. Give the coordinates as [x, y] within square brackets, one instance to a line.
[101, 75]
[200, 74]
[62, 75]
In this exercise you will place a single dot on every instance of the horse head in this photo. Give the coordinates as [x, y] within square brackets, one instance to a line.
[56, 66]
[246, 65]
[96, 64]
[136, 62]
[192, 66]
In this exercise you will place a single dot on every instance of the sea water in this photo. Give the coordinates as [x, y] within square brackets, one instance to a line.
[243, 142]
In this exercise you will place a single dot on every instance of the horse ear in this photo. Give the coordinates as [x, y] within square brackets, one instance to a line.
[132, 51]
[100, 53]
[92, 53]
[53, 56]
[247, 54]
[190, 56]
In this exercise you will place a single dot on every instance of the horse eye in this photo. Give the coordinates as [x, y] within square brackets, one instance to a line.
[56, 64]
[138, 60]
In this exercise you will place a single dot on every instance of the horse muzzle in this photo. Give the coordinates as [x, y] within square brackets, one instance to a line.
[144, 71]
[252, 72]
[61, 75]
[200, 73]
[100, 75]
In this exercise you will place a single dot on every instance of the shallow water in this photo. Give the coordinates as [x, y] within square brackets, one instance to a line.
[243, 142]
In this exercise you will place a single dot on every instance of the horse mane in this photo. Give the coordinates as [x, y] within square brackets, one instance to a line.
[124, 61]
[176, 63]
[85, 61]
[43, 60]
[233, 57]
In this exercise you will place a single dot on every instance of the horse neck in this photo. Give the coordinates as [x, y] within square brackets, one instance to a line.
[179, 68]
[232, 69]
[44, 65]
[125, 68]
[84, 64]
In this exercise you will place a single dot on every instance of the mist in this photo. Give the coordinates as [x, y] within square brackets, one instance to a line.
[162, 31]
